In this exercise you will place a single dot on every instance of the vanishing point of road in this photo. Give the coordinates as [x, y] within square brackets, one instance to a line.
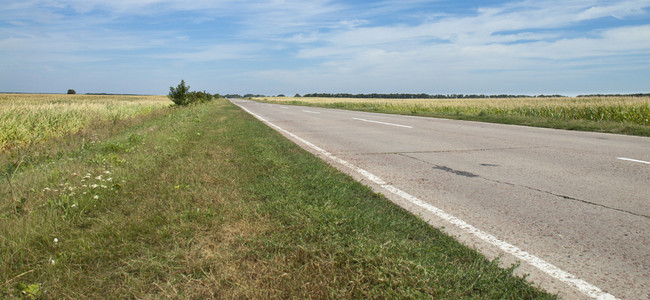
[572, 207]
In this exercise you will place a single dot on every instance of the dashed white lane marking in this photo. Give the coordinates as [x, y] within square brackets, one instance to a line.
[555, 272]
[634, 160]
[378, 122]
[311, 112]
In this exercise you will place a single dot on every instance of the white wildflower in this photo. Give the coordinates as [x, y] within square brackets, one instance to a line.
[94, 186]
[52, 261]
[56, 240]
[107, 172]
[109, 179]
[73, 205]
[96, 197]
[98, 177]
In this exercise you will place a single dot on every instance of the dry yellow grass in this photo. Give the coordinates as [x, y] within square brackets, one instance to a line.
[26, 118]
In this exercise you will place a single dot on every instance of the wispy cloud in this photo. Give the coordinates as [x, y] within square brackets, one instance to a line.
[533, 37]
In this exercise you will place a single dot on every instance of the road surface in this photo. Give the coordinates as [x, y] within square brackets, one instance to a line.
[572, 207]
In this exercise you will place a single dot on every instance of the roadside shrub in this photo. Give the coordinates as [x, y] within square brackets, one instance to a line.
[200, 97]
[182, 96]
[71, 92]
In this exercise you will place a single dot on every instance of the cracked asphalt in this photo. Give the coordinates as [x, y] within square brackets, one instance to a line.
[563, 196]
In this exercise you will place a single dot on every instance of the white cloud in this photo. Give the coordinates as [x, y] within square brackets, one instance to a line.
[537, 63]
[620, 9]
[511, 30]
[214, 53]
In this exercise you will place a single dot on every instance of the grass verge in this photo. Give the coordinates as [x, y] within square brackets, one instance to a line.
[207, 202]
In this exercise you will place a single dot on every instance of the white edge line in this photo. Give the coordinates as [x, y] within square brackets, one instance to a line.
[634, 160]
[555, 272]
[371, 121]
[311, 112]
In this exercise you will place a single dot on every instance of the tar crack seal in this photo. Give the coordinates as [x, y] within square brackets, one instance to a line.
[450, 170]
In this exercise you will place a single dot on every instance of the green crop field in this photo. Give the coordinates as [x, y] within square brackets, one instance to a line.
[628, 115]
[27, 118]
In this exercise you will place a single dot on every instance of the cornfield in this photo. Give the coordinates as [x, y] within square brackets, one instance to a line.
[627, 110]
[27, 118]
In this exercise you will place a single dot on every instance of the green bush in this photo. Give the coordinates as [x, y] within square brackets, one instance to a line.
[200, 97]
[182, 96]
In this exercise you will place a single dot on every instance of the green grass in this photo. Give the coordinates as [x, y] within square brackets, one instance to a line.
[207, 202]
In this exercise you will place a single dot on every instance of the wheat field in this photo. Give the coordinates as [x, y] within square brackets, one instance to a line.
[28, 118]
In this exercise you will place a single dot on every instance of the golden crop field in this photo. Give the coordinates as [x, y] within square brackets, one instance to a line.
[629, 110]
[26, 118]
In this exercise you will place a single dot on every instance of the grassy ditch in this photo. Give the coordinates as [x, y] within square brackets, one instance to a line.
[206, 202]
[622, 115]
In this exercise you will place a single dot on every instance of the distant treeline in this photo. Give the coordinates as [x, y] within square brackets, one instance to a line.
[110, 94]
[245, 96]
[421, 96]
[616, 95]
[427, 96]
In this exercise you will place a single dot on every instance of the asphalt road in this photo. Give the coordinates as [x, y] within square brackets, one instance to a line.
[572, 207]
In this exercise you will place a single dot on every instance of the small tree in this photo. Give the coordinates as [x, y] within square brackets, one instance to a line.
[71, 92]
[180, 94]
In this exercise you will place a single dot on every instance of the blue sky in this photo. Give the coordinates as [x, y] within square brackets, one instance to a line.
[298, 46]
